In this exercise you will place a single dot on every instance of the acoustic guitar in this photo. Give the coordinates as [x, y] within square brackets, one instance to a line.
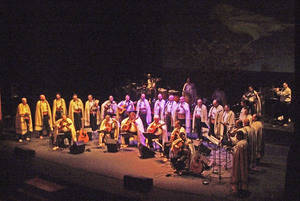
[154, 128]
[83, 136]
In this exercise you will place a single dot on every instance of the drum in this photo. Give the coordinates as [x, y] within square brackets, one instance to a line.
[163, 92]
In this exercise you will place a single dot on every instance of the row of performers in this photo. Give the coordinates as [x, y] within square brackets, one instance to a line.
[92, 114]
[244, 135]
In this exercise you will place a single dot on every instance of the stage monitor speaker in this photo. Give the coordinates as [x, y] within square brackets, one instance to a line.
[112, 145]
[140, 184]
[77, 147]
[145, 152]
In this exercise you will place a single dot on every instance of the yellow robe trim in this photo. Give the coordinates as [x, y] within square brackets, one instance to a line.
[72, 106]
[39, 116]
[21, 127]
[58, 103]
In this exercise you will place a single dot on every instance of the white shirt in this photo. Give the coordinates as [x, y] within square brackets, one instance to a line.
[170, 106]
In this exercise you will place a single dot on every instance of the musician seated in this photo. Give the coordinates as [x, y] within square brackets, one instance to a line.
[109, 128]
[131, 130]
[157, 128]
[180, 154]
[177, 130]
[65, 126]
[232, 140]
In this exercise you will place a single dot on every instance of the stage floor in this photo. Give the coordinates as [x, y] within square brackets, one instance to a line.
[102, 170]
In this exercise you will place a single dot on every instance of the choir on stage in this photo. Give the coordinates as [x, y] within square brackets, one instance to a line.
[164, 124]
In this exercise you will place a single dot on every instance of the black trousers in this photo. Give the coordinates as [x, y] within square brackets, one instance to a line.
[252, 108]
[58, 115]
[211, 129]
[198, 128]
[169, 122]
[93, 122]
[46, 125]
[77, 121]
[144, 119]
[182, 122]
[129, 134]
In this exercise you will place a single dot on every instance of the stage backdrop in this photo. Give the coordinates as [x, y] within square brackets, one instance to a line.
[228, 38]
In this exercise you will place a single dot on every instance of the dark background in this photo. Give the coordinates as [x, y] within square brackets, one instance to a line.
[97, 47]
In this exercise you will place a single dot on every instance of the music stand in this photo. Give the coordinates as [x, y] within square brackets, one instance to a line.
[151, 137]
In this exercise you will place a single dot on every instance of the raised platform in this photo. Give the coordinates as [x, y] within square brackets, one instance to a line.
[103, 171]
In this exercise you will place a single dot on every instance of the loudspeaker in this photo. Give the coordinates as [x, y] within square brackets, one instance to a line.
[77, 147]
[141, 184]
[145, 152]
[112, 145]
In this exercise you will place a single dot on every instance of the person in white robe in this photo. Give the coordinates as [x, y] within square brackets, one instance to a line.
[159, 107]
[214, 117]
[144, 110]
[227, 121]
[182, 113]
[199, 116]
[169, 113]
[125, 107]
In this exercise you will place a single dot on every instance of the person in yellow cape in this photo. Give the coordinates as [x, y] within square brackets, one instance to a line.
[23, 121]
[43, 117]
[75, 112]
[66, 126]
[59, 107]
[92, 113]
[109, 126]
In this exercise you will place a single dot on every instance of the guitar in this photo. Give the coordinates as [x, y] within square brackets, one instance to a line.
[123, 108]
[83, 136]
[64, 125]
[154, 128]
